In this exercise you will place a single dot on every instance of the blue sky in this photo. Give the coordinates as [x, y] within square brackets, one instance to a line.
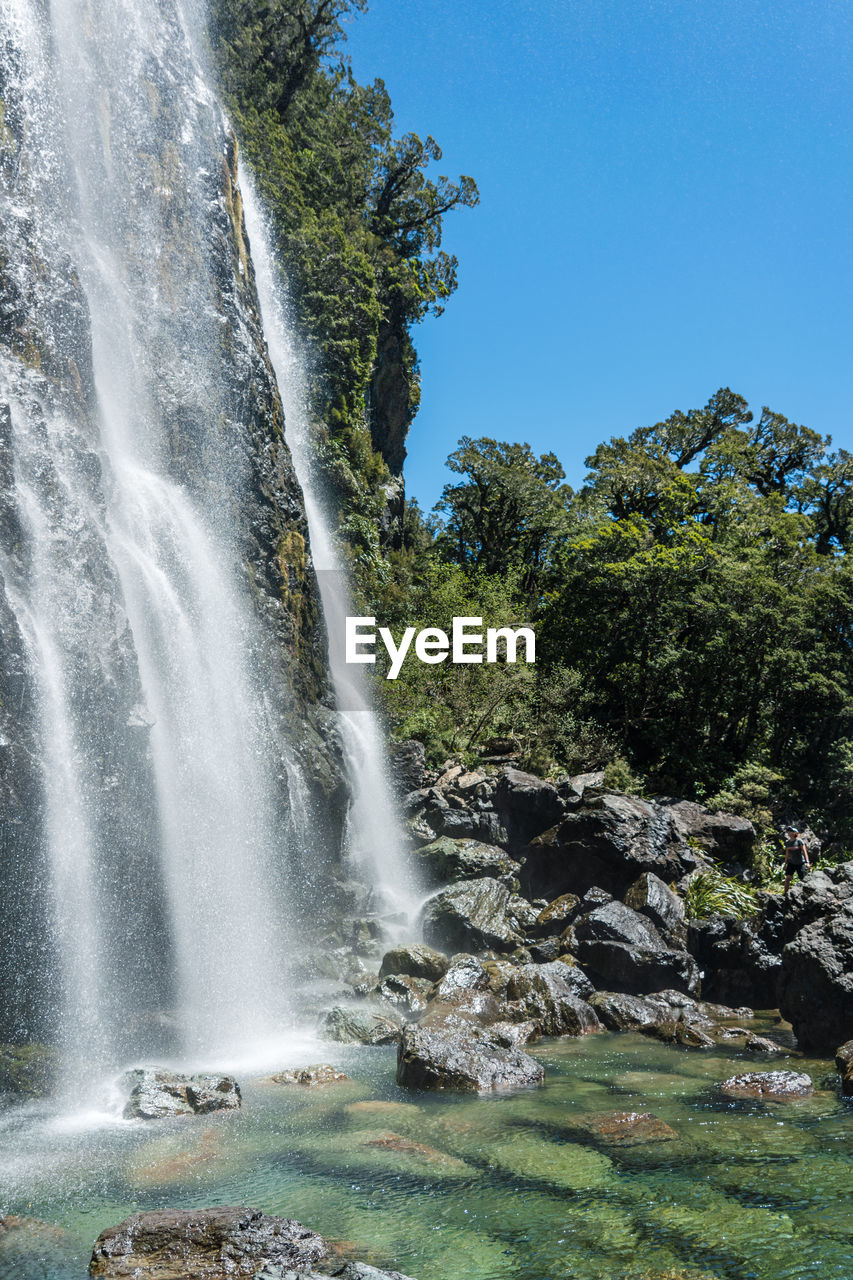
[666, 192]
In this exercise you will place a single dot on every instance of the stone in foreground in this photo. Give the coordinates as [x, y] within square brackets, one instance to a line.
[774, 1085]
[467, 1059]
[206, 1244]
[350, 1271]
[155, 1094]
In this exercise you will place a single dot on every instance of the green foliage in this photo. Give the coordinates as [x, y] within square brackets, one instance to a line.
[357, 220]
[752, 793]
[710, 893]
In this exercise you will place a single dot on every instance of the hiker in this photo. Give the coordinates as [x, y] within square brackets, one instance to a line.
[796, 856]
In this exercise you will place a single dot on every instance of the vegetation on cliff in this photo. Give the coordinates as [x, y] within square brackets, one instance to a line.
[357, 222]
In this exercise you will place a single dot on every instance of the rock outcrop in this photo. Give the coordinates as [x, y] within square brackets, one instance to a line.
[776, 1086]
[469, 1060]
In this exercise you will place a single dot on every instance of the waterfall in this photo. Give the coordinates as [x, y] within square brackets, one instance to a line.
[139, 517]
[375, 840]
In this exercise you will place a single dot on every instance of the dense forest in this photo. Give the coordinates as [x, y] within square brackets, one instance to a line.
[692, 600]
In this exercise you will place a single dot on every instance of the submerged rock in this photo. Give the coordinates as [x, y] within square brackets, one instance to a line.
[778, 1085]
[467, 1059]
[156, 1093]
[626, 1128]
[206, 1244]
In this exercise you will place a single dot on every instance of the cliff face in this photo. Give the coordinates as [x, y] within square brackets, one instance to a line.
[141, 436]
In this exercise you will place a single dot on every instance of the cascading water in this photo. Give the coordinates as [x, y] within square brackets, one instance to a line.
[134, 388]
[375, 839]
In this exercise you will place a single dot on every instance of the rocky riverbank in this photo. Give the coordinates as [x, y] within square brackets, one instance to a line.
[559, 908]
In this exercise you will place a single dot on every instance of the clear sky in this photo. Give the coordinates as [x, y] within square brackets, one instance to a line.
[666, 197]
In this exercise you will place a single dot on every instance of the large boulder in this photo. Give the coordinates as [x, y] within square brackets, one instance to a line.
[724, 836]
[741, 959]
[608, 842]
[156, 1093]
[816, 986]
[527, 805]
[651, 897]
[408, 765]
[623, 951]
[553, 998]
[371, 1024]
[417, 961]
[467, 1059]
[470, 916]
[206, 1244]
[447, 859]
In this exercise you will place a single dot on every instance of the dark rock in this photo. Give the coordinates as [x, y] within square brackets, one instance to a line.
[470, 916]
[468, 1060]
[844, 1057]
[816, 987]
[408, 765]
[625, 1128]
[623, 951]
[761, 1044]
[464, 973]
[724, 836]
[320, 1073]
[620, 1012]
[361, 1271]
[463, 859]
[418, 961]
[608, 842]
[651, 897]
[552, 997]
[156, 1093]
[769, 1084]
[205, 1244]
[741, 959]
[677, 1031]
[360, 1026]
[527, 806]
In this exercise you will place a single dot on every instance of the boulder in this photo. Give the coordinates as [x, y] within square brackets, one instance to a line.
[470, 916]
[552, 998]
[652, 898]
[774, 1085]
[816, 985]
[844, 1057]
[608, 842]
[623, 951]
[468, 1060]
[207, 1244]
[554, 918]
[741, 959]
[417, 961]
[448, 859]
[320, 1073]
[464, 973]
[761, 1044]
[665, 1015]
[372, 1025]
[155, 1093]
[409, 994]
[724, 836]
[527, 806]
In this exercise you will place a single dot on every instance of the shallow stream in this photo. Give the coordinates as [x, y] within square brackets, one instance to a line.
[443, 1187]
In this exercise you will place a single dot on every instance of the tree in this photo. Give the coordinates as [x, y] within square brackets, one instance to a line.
[508, 514]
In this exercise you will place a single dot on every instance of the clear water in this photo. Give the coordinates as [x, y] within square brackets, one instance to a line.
[497, 1188]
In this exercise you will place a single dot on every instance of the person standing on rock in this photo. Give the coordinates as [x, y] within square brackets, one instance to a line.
[796, 856]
